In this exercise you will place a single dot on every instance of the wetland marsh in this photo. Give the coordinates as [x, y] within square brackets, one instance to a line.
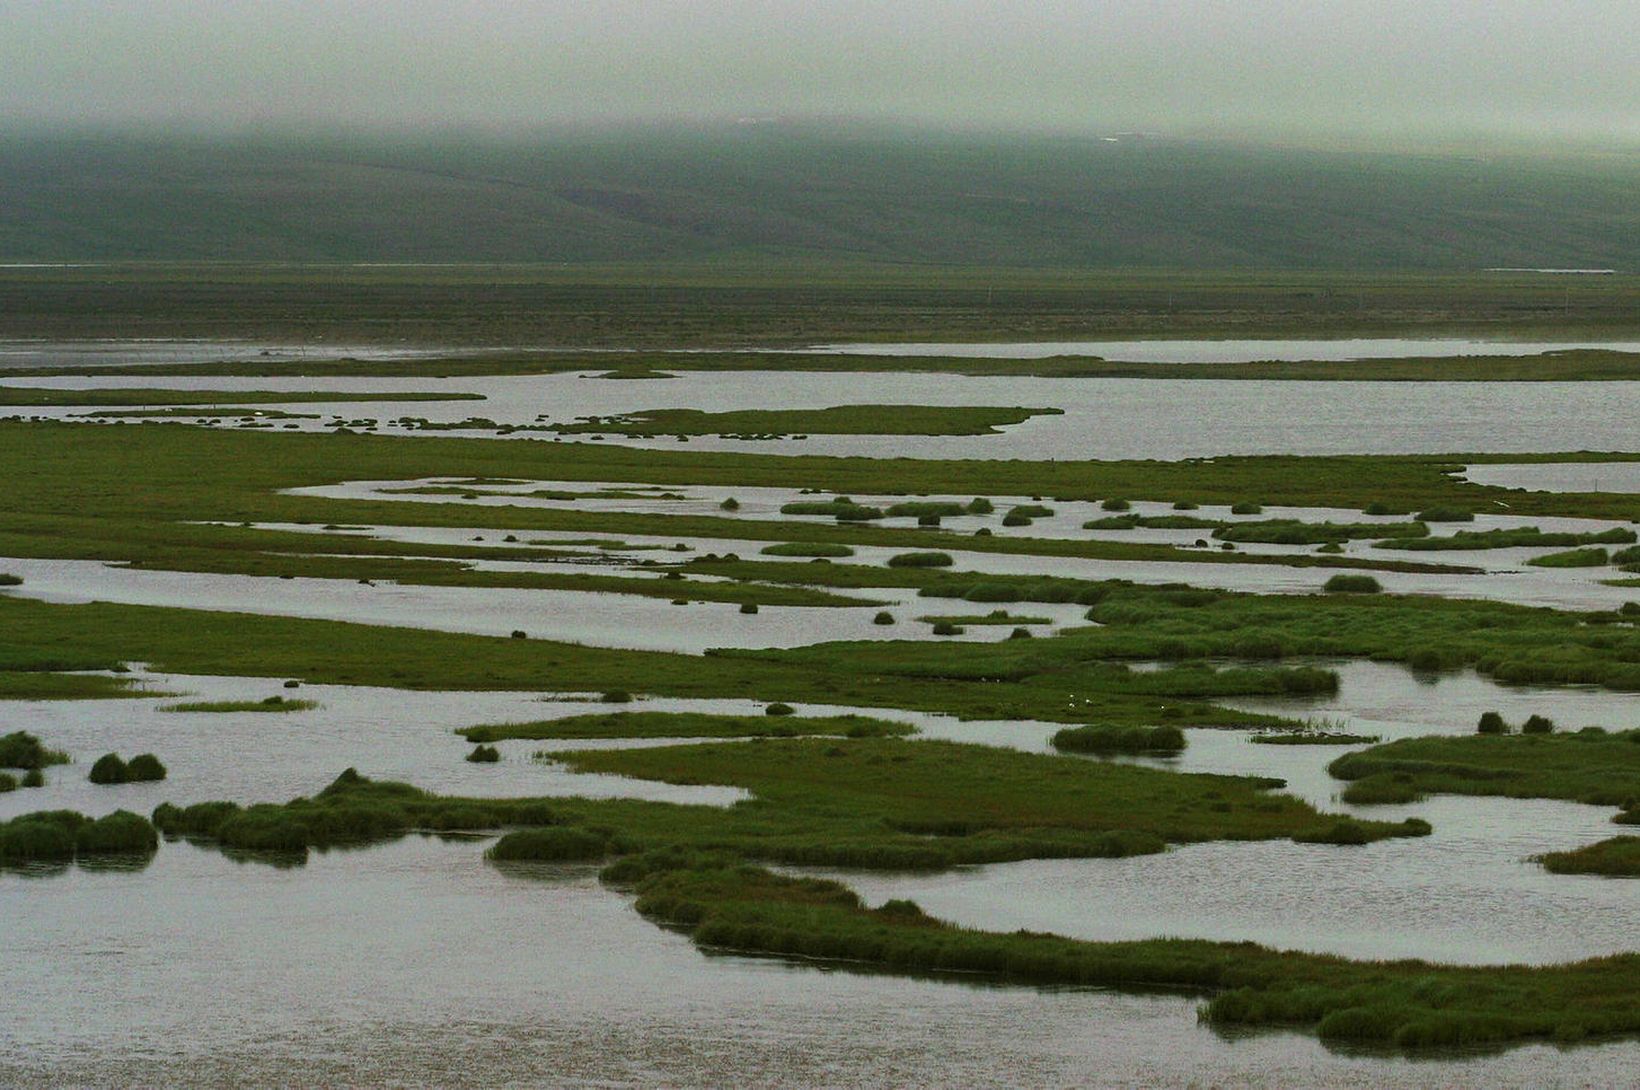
[865, 850]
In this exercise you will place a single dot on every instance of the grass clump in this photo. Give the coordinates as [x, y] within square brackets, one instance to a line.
[554, 844]
[1116, 505]
[926, 508]
[920, 560]
[979, 505]
[61, 835]
[1352, 584]
[1617, 857]
[8, 782]
[20, 749]
[34, 778]
[842, 509]
[1538, 724]
[778, 708]
[808, 549]
[1593, 557]
[1104, 738]
[1491, 723]
[109, 769]
[145, 768]
[1445, 514]
[616, 696]
[1312, 738]
[1246, 507]
[9, 580]
[946, 628]
[487, 755]
[883, 617]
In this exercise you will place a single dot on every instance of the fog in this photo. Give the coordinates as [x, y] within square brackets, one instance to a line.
[1270, 68]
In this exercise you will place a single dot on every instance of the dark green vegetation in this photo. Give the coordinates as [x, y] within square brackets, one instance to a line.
[1526, 536]
[685, 725]
[12, 396]
[838, 420]
[920, 560]
[1313, 738]
[484, 755]
[1103, 738]
[1618, 857]
[1409, 1004]
[20, 749]
[57, 836]
[893, 803]
[1589, 766]
[738, 196]
[808, 549]
[550, 845]
[352, 810]
[1296, 532]
[995, 617]
[1573, 558]
[1446, 514]
[110, 768]
[1352, 584]
[274, 704]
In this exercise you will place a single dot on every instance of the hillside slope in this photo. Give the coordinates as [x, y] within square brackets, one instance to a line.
[795, 192]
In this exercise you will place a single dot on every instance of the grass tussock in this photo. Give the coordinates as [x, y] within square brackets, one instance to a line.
[1105, 738]
[1352, 584]
[920, 560]
[808, 549]
[23, 750]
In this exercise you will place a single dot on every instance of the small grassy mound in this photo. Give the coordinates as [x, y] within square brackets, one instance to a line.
[1618, 857]
[1592, 557]
[109, 769]
[1445, 514]
[920, 560]
[842, 508]
[1352, 584]
[20, 749]
[925, 508]
[554, 844]
[484, 755]
[145, 768]
[808, 549]
[61, 835]
[1105, 738]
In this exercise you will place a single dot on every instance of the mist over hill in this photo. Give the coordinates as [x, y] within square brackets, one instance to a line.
[807, 192]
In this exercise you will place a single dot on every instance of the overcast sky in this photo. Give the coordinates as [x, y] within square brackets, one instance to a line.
[1275, 68]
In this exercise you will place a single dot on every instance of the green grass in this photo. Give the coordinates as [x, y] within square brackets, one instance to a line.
[1588, 766]
[549, 845]
[1352, 584]
[1617, 857]
[23, 750]
[1296, 532]
[995, 617]
[1103, 738]
[887, 802]
[56, 836]
[35, 684]
[36, 396]
[273, 704]
[1526, 536]
[1573, 558]
[810, 549]
[1411, 1005]
[920, 560]
[837, 420]
[685, 725]
[1313, 738]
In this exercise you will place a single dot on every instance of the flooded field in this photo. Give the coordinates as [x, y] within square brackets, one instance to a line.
[413, 958]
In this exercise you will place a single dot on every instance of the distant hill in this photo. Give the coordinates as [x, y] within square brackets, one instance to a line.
[808, 192]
